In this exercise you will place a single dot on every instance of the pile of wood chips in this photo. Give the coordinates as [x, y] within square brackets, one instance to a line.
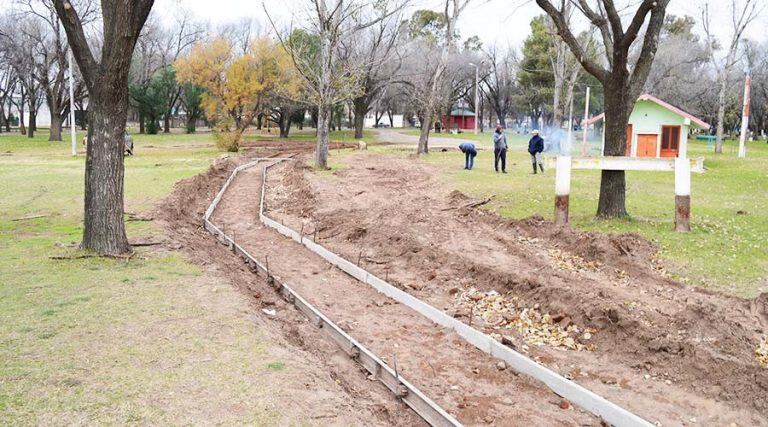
[507, 313]
[761, 352]
[571, 262]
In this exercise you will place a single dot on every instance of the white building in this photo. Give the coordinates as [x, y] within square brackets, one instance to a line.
[370, 120]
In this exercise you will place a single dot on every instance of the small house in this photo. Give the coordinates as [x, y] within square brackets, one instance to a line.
[657, 129]
[460, 118]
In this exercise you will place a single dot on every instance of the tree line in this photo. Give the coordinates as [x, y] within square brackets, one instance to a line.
[346, 59]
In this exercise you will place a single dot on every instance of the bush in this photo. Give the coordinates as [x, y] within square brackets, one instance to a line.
[228, 141]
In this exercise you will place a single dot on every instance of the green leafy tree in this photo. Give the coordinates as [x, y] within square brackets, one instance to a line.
[151, 99]
[192, 100]
[535, 77]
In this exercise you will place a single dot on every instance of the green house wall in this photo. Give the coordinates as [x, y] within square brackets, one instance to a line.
[648, 117]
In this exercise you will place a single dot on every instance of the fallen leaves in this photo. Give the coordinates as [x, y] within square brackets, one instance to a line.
[507, 312]
[761, 353]
[571, 262]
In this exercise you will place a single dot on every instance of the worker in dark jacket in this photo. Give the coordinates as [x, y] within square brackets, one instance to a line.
[470, 152]
[535, 148]
[500, 149]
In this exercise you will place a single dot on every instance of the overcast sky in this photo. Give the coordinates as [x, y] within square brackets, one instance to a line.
[495, 21]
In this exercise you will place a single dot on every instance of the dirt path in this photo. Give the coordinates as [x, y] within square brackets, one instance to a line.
[330, 389]
[672, 354]
[392, 136]
[460, 378]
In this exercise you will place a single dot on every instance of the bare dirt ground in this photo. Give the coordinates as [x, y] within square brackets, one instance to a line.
[330, 389]
[596, 308]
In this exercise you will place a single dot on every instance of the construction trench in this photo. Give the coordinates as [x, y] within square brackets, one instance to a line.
[452, 380]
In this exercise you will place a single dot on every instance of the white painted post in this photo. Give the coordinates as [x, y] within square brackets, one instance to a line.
[584, 130]
[682, 195]
[683, 143]
[570, 130]
[562, 189]
[72, 131]
[745, 119]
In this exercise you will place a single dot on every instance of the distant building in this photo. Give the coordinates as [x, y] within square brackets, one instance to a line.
[657, 129]
[461, 118]
[370, 121]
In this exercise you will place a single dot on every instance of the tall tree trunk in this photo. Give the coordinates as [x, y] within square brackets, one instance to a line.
[32, 125]
[285, 122]
[361, 108]
[3, 119]
[426, 126]
[104, 230]
[191, 124]
[612, 202]
[722, 89]
[8, 119]
[323, 137]
[56, 123]
[167, 124]
[142, 129]
[22, 127]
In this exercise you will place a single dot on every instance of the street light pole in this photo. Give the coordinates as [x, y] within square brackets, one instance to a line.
[477, 93]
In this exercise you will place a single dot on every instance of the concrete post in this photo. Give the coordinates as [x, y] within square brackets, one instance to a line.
[562, 189]
[682, 195]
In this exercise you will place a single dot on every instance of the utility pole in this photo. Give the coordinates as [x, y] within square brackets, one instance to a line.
[584, 125]
[72, 130]
[745, 119]
[477, 94]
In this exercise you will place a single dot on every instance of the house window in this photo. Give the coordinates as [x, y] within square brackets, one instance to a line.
[670, 138]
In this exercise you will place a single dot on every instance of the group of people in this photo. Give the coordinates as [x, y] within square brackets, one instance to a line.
[535, 148]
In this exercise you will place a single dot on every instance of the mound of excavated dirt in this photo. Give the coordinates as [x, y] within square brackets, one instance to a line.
[659, 346]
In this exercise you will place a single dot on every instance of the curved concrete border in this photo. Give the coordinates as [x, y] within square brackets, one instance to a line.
[404, 390]
[570, 390]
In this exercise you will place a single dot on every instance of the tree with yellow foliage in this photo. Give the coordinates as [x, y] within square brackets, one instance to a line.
[237, 88]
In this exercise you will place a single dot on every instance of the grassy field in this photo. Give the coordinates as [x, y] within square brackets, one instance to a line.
[726, 250]
[100, 341]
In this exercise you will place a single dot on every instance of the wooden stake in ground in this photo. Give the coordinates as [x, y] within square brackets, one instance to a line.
[107, 81]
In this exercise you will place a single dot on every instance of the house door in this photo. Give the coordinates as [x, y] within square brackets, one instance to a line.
[629, 140]
[646, 145]
[670, 141]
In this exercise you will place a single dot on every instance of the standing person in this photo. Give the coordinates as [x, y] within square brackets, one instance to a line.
[500, 149]
[470, 152]
[535, 148]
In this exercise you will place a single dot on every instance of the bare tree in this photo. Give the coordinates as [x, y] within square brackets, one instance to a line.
[380, 61]
[106, 77]
[500, 83]
[317, 57]
[622, 79]
[743, 13]
[431, 99]
[8, 82]
[565, 69]
[680, 73]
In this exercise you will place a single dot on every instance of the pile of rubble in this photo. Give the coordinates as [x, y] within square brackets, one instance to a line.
[571, 262]
[501, 313]
[761, 352]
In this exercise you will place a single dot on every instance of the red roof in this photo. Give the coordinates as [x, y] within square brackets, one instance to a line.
[648, 97]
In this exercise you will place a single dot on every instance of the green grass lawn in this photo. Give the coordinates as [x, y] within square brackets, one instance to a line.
[726, 250]
[101, 341]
